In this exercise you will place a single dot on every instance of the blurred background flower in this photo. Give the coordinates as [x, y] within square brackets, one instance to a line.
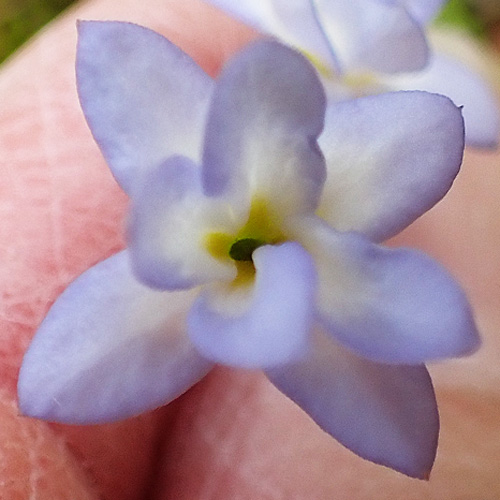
[20, 19]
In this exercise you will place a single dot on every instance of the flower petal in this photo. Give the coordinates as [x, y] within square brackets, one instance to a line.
[466, 88]
[144, 98]
[373, 35]
[294, 22]
[169, 220]
[388, 305]
[390, 158]
[108, 349]
[272, 327]
[266, 113]
[384, 413]
[424, 10]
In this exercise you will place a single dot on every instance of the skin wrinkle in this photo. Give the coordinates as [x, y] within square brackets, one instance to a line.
[150, 490]
[27, 464]
[95, 476]
[233, 435]
[49, 124]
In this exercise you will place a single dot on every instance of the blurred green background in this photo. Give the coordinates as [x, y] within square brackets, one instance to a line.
[19, 19]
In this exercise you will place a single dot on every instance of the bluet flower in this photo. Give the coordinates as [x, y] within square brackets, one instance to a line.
[363, 47]
[254, 236]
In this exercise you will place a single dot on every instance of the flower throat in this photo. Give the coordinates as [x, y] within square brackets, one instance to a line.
[261, 228]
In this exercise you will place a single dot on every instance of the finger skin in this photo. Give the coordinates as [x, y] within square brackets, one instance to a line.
[31, 458]
[61, 212]
[233, 435]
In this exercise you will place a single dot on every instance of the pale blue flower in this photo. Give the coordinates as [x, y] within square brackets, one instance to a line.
[252, 244]
[364, 47]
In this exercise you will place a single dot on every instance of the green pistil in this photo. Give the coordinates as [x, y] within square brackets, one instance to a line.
[261, 228]
[242, 250]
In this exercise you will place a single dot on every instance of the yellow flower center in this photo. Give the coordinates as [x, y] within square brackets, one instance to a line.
[323, 69]
[261, 228]
[360, 81]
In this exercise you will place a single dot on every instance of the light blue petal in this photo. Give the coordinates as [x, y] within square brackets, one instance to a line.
[271, 325]
[266, 113]
[108, 349]
[169, 221]
[294, 22]
[386, 414]
[388, 305]
[144, 99]
[466, 88]
[373, 35]
[253, 13]
[390, 158]
[423, 10]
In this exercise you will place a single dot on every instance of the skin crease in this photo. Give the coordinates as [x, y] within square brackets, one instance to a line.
[233, 436]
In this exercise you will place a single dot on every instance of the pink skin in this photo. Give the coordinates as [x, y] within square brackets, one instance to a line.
[233, 435]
